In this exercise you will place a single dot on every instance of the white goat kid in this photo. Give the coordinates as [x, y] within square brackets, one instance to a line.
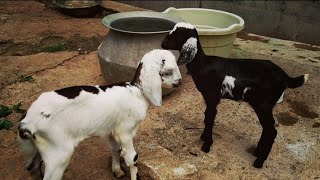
[58, 120]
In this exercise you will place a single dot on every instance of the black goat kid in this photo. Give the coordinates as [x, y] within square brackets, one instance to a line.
[261, 83]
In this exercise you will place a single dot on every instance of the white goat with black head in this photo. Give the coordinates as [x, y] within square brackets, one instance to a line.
[261, 83]
[58, 120]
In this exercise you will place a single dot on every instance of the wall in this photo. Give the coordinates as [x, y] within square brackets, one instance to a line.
[291, 20]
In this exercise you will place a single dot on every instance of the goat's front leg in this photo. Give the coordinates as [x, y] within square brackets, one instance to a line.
[210, 114]
[56, 161]
[130, 156]
[34, 163]
[115, 150]
[269, 133]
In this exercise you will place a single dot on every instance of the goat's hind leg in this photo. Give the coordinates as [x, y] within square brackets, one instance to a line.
[115, 150]
[210, 115]
[269, 133]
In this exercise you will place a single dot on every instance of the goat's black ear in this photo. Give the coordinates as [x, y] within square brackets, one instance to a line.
[188, 51]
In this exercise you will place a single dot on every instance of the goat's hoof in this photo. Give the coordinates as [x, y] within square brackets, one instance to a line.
[138, 177]
[258, 163]
[29, 166]
[119, 174]
[205, 147]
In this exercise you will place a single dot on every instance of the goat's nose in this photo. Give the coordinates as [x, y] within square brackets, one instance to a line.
[178, 83]
[24, 133]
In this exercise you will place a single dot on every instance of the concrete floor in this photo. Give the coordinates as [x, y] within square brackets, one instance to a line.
[168, 142]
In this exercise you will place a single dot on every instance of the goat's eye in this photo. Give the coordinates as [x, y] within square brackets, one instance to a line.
[167, 73]
[163, 61]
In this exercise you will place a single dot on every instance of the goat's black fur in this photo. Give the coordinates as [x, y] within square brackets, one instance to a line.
[258, 82]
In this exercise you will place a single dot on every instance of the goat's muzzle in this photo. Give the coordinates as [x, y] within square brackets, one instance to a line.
[175, 85]
[182, 61]
[23, 132]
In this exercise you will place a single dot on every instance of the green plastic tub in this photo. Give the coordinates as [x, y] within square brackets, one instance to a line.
[217, 29]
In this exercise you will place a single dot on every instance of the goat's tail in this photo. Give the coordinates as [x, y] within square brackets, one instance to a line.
[297, 81]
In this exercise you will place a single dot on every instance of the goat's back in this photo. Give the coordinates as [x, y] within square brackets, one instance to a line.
[87, 114]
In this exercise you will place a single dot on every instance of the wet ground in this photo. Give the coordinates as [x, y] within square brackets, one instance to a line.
[42, 50]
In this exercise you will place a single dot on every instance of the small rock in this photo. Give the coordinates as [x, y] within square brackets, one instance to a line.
[313, 60]
[193, 153]
[316, 125]
[163, 165]
[293, 167]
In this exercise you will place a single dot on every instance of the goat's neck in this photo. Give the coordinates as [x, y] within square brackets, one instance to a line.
[136, 80]
[200, 52]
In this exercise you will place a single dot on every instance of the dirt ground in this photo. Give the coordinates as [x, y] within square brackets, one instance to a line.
[57, 51]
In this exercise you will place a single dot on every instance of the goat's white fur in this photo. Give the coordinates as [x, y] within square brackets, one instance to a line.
[228, 85]
[58, 124]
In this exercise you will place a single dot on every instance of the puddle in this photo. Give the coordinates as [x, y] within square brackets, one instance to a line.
[301, 109]
[50, 44]
[246, 36]
[306, 46]
[286, 119]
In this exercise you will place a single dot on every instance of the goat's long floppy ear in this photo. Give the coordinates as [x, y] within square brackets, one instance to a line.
[151, 85]
[188, 51]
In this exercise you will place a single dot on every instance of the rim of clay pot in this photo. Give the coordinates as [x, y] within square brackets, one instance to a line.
[148, 14]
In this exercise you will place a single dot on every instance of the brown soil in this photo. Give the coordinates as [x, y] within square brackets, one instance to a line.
[51, 44]
[28, 27]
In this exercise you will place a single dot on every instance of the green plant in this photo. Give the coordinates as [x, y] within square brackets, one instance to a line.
[54, 48]
[28, 78]
[4, 110]
[5, 124]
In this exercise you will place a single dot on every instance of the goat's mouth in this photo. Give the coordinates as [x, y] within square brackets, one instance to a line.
[176, 85]
[182, 60]
[179, 63]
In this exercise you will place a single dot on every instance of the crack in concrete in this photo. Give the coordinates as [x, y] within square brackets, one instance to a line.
[41, 70]
[61, 63]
